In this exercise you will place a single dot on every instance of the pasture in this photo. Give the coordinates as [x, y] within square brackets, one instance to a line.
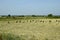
[30, 29]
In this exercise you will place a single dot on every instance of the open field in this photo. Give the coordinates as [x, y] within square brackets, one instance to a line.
[30, 29]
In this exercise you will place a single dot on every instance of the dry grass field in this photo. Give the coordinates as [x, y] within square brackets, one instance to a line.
[30, 29]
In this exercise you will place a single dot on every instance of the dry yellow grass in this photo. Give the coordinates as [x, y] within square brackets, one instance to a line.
[42, 30]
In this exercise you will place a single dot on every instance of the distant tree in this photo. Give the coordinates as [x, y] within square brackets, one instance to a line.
[9, 15]
[33, 15]
[50, 15]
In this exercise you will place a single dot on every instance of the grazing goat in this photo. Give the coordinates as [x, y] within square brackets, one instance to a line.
[19, 21]
[57, 20]
[8, 22]
[42, 21]
[50, 21]
[16, 21]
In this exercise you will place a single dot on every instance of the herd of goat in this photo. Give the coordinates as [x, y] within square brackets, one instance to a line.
[41, 21]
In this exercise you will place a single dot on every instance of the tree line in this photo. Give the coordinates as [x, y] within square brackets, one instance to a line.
[48, 16]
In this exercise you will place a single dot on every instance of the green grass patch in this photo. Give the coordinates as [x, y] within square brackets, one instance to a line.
[9, 36]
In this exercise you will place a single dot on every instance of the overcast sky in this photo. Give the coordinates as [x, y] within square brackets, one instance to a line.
[29, 7]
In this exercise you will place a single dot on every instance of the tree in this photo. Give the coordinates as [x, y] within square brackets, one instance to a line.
[50, 15]
[9, 15]
[33, 15]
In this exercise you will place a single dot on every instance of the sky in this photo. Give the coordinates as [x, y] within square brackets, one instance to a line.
[29, 7]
